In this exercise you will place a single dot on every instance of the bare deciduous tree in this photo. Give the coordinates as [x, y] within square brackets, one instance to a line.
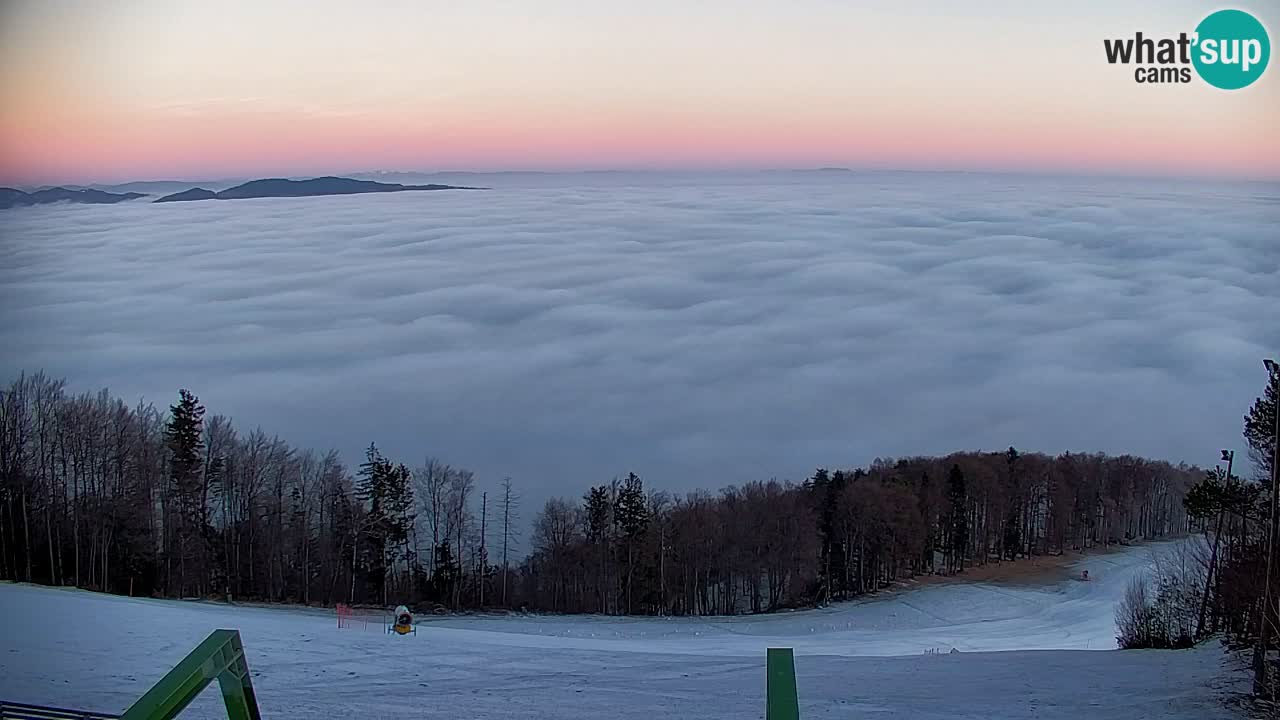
[88, 496]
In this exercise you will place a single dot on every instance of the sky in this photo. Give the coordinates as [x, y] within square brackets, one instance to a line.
[699, 330]
[187, 89]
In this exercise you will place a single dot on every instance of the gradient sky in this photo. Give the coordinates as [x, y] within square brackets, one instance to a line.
[149, 89]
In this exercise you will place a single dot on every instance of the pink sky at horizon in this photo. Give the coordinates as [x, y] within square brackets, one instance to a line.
[182, 90]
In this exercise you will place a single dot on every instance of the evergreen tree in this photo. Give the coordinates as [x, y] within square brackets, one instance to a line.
[836, 556]
[1260, 429]
[824, 493]
[387, 490]
[183, 437]
[599, 512]
[448, 571]
[1012, 537]
[185, 519]
[398, 506]
[631, 516]
[372, 489]
[828, 489]
[1201, 501]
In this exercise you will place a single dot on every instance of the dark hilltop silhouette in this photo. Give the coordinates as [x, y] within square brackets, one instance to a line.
[268, 188]
[11, 197]
[192, 194]
[279, 187]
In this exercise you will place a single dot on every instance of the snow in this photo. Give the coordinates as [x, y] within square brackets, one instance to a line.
[1021, 657]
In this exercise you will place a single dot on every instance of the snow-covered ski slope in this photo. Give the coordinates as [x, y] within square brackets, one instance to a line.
[1018, 658]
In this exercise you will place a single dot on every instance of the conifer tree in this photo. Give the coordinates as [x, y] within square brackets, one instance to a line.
[183, 436]
[1260, 429]
[632, 518]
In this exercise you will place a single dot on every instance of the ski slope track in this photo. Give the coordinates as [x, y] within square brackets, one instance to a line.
[1026, 651]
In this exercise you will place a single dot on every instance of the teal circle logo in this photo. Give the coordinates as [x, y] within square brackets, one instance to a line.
[1231, 49]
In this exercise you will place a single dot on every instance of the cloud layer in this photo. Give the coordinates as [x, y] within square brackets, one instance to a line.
[701, 330]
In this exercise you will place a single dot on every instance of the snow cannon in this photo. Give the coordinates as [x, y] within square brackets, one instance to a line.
[403, 624]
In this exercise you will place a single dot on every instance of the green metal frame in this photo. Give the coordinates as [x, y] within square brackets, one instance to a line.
[221, 657]
[782, 701]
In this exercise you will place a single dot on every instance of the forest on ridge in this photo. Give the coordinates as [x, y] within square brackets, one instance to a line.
[175, 502]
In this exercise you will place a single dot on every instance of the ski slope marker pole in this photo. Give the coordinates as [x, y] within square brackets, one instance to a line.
[782, 702]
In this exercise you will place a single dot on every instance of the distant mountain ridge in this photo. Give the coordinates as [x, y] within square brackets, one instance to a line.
[188, 195]
[159, 187]
[281, 187]
[12, 197]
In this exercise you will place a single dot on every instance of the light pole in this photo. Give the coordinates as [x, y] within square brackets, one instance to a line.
[1229, 456]
[1260, 652]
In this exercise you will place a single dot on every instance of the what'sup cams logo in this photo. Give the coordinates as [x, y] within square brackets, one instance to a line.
[1229, 50]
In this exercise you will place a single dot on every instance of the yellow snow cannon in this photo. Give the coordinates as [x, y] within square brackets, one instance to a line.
[403, 624]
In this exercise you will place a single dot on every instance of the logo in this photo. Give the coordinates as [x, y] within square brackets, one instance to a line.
[1229, 50]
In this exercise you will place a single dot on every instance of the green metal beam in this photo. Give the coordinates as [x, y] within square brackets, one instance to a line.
[221, 657]
[782, 702]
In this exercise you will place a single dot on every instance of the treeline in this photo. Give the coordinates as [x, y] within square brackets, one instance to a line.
[767, 545]
[129, 499]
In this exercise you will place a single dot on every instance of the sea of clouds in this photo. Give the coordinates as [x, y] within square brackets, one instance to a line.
[700, 330]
